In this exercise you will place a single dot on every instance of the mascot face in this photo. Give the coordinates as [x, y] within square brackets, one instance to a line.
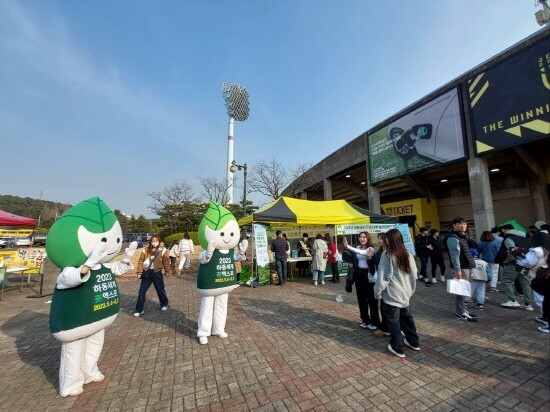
[75, 234]
[219, 225]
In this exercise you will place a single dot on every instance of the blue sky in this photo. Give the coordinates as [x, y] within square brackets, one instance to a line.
[119, 98]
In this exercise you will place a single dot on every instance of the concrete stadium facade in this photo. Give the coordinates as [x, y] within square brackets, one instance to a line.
[495, 180]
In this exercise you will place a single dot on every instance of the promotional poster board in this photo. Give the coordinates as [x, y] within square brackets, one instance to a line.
[510, 102]
[407, 239]
[372, 228]
[262, 256]
[429, 136]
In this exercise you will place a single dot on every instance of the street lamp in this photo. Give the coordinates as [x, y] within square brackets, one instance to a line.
[236, 102]
[233, 168]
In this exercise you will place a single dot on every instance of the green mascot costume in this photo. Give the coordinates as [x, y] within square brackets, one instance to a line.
[218, 235]
[85, 300]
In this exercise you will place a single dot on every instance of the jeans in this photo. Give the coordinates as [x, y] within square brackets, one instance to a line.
[460, 300]
[400, 319]
[423, 267]
[494, 270]
[478, 290]
[158, 282]
[334, 270]
[281, 270]
[368, 305]
[509, 276]
[319, 274]
[437, 260]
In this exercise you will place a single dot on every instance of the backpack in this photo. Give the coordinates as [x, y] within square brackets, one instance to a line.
[502, 253]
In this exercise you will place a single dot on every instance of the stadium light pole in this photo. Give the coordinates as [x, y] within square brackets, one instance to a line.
[236, 102]
[233, 168]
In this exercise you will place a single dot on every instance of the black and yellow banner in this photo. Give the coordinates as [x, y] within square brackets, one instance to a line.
[510, 102]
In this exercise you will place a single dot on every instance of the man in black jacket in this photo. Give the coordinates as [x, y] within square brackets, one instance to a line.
[423, 249]
[279, 247]
[436, 255]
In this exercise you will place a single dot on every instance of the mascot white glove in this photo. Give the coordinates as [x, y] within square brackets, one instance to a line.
[99, 253]
[129, 252]
[210, 249]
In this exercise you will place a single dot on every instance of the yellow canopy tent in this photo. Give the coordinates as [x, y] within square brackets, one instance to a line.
[287, 211]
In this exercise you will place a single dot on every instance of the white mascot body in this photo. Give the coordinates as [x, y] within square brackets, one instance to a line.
[86, 299]
[218, 235]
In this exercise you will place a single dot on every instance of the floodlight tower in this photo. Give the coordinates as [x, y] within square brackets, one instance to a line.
[236, 102]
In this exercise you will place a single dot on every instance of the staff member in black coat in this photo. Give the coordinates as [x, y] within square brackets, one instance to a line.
[436, 255]
[423, 249]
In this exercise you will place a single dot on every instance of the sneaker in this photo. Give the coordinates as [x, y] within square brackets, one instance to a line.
[510, 304]
[138, 314]
[544, 329]
[406, 342]
[528, 307]
[541, 320]
[465, 304]
[467, 317]
[400, 355]
[479, 306]
[470, 314]
[322, 282]
[487, 299]
[315, 282]
[363, 325]
[442, 278]
[223, 335]
[98, 378]
[371, 327]
[379, 334]
[203, 340]
[434, 281]
[164, 308]
[425, 280]
[427, 283]
[494, 290]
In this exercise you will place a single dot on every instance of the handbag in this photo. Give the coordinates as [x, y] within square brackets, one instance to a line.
[459, 287]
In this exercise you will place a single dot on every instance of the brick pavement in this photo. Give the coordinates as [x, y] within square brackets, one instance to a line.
[291, 348]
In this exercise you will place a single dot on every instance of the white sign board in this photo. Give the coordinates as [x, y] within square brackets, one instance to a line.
[297, 231]
[407, 239]
[370, 227]
[260, 243]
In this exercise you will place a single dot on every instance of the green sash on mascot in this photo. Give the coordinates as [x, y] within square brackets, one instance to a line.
[219, 272]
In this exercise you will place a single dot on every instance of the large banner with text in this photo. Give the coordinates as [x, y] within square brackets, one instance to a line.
[429, 136]
[510, 102]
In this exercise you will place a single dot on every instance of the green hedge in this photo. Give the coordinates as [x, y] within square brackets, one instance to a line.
[168, 240]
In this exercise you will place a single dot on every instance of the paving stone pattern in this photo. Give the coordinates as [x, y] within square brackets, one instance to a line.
[291, 348]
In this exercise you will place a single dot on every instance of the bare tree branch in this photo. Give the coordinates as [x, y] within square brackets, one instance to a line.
[215, 190]
[268, 178]
[170, 199]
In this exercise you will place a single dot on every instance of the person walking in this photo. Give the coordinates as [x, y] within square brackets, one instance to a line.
[395, 285]
[489, 246]
[374, 262]
[436, 255]
[368, 305]
[319, 263]
[150, 264]
[423, 249]
[186, 250]
[332, 251]
[462, 263]
[173, 254]
[279, 247]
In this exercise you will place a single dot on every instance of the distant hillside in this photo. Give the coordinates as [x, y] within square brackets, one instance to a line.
[25, 206]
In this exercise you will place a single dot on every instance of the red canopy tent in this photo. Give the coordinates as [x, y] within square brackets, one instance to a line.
[9, 219]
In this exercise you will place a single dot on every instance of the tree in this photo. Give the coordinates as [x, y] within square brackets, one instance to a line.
[268, 178]
[167, 203]
[302, 177]
[123, 220]
[141, 224]
[215, 190]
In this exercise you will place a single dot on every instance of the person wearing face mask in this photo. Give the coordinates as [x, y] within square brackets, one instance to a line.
[150, 264]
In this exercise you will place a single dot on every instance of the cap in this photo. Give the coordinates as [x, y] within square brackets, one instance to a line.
[539, 223]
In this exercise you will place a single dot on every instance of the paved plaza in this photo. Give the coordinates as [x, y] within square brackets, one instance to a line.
[291, 348]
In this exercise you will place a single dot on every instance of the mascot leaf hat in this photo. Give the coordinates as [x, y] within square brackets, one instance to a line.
[215, 218]
[78, 230]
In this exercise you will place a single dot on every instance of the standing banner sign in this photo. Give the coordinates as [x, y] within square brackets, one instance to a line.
[372, 228]
[260, 243]
[407, 239]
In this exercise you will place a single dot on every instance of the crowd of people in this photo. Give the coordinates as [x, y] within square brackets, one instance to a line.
[385, 279]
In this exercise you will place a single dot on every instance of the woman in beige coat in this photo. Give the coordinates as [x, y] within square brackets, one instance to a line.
[320, 254]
